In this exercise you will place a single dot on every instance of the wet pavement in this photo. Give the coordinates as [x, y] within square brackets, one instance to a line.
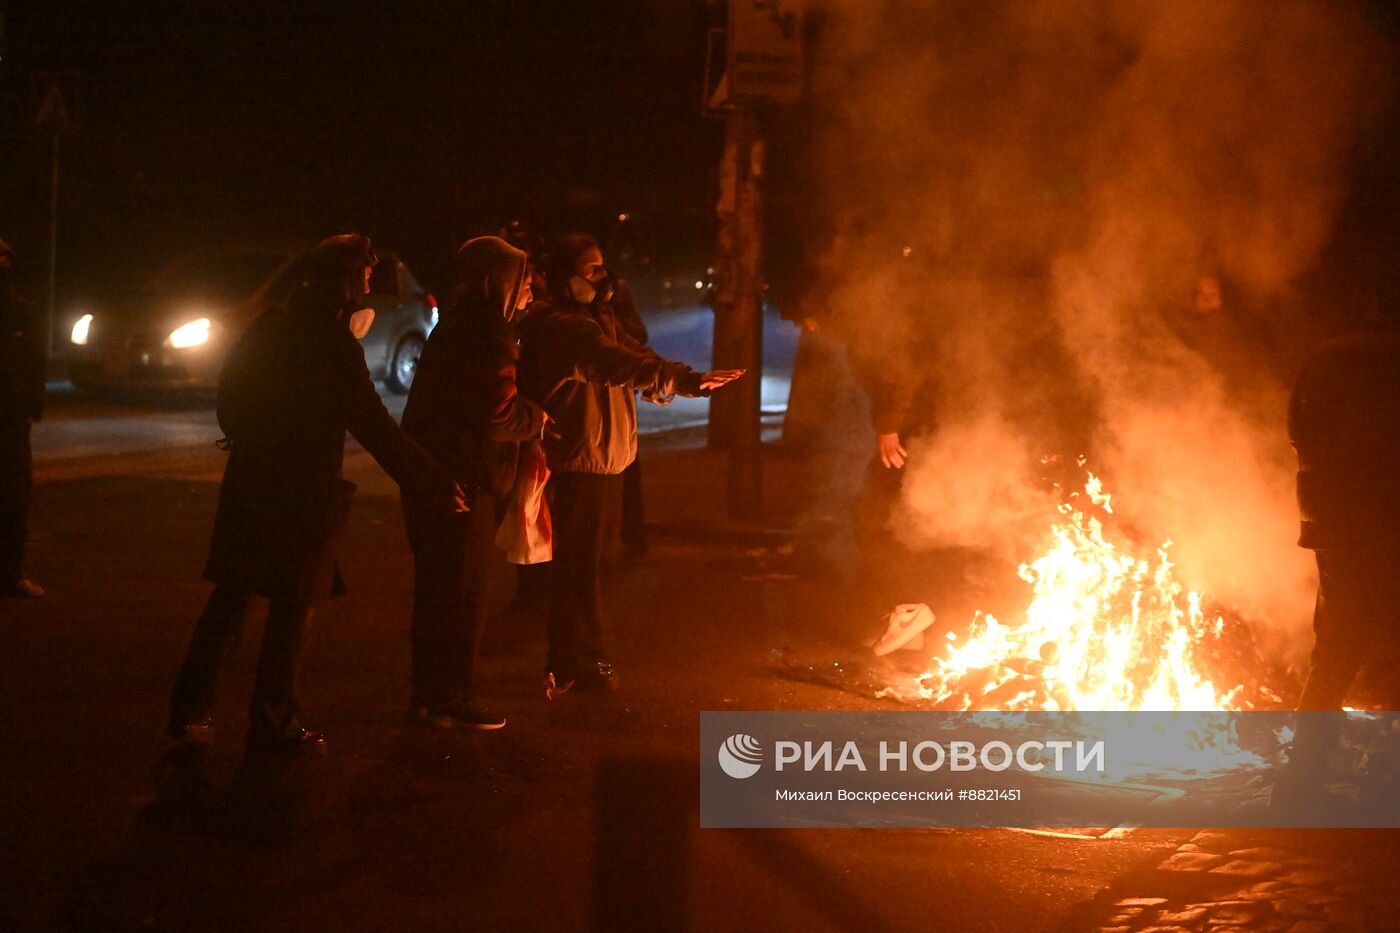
[1270, 881]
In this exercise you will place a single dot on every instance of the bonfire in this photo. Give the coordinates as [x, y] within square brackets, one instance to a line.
[1105, 628]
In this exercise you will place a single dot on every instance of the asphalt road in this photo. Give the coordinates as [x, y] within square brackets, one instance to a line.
[577, 815]
[581, 814]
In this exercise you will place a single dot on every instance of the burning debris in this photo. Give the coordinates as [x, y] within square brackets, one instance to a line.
[1106, 628]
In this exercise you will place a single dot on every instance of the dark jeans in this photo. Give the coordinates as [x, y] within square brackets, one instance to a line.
[584, 506]
[273, 709]
[633, 516]
[883, 565]
[16, 485]
[452, 558]
[1356, 621]
[879, 491]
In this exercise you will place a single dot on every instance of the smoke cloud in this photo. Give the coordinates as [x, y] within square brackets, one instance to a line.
[1086, 221]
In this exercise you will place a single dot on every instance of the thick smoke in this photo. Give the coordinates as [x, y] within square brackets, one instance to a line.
[1086, 221]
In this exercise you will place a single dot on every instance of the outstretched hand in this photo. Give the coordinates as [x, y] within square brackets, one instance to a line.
[892, 452]
[459, 500]
[719, 377]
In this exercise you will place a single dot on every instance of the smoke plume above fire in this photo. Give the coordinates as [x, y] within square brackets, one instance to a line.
[1087, 221]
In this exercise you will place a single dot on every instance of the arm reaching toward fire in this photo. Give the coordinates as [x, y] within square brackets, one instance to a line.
[891, 451]
[719, 377]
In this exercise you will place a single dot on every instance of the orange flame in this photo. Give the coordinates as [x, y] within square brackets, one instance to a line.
[1105, 630]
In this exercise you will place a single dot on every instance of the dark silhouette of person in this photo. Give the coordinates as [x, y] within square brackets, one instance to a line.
[585, 370]
[294, 384]
[23, 352]
[465, 410]
[903, 406]
[1344, 421]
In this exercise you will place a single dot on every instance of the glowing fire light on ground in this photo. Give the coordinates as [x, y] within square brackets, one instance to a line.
[1105, 629]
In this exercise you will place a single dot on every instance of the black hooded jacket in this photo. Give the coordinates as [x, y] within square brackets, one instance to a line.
[293, 385]
[464, 407]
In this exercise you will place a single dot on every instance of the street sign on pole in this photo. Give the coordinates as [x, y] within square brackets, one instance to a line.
[716, 102]
[765, 50]
[57, 108]
[735, 411]
[764, 66]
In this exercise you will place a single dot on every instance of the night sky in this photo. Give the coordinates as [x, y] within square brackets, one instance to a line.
[419, 123]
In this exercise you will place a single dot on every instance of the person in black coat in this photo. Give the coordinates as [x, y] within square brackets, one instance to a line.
[465, 410]
[22, 353]
[294, 383]
[1344, 421]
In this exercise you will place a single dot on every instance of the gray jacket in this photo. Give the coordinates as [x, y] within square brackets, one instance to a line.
[585, 371]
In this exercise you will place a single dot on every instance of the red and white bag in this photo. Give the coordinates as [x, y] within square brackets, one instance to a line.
[526, 533]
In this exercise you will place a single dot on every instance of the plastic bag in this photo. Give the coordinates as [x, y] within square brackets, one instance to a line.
[527, 533]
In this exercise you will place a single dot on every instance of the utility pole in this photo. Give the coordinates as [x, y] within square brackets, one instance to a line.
[735, 412]
[52, 319]
[763, 65]
[55, 116]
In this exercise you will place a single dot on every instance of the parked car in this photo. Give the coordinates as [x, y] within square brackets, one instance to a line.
[176, 332]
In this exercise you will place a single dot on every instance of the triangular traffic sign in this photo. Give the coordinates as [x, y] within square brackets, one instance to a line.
[53, 113]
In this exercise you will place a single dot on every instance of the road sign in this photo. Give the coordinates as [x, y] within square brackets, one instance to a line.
[57, 94]
[765, 50]
[716, 102]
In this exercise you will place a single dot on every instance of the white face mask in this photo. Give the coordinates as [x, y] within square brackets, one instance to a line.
[586, 291]
[360, 322]
[582, 290]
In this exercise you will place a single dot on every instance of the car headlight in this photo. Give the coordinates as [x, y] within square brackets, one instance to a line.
[189, 335]
[79, 334]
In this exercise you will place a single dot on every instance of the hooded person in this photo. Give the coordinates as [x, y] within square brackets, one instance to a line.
[294, 384]
[465, 409]
[22, 358]
[586, 370]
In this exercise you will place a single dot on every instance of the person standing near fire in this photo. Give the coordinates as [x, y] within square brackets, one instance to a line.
[890, 341]
[524, 236]
[23, 349]
[1344, 421]
[465, 410]
[293, 385]
[903, 407]
[585, 370]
